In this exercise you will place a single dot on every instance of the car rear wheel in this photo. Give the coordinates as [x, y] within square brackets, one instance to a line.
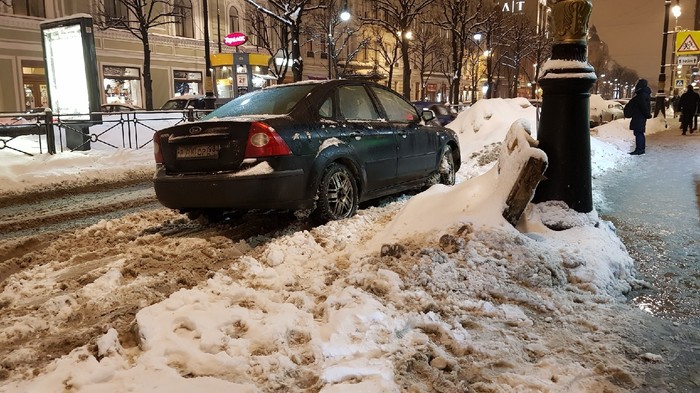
[337, 194]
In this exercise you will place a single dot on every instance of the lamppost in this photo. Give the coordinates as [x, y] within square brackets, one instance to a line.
[661, 91]
[489, 57]
[477, 39]
[676, 10]
[344, 17]
[564, 130]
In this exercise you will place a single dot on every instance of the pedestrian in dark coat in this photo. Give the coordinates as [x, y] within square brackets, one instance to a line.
[688, 104]
[639, 109]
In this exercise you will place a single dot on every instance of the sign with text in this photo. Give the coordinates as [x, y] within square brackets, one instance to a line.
[687, 43]
[513, 6]
[687, 60]
[235, 39]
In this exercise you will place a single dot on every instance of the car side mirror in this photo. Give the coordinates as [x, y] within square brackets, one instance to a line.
[428, 115]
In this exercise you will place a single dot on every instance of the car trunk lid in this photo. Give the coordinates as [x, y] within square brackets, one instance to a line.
[203, 146]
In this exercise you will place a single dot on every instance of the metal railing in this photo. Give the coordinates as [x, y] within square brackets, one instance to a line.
[37, 133]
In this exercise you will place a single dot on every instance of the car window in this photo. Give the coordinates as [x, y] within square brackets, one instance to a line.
[397, 109]
[356, 104]
[271, 101]
[174, 105]
[326, 110]
[440, 110]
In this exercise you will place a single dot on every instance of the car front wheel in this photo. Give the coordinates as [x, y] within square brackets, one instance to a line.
[447, 167]
[337, 194]
[445, 173]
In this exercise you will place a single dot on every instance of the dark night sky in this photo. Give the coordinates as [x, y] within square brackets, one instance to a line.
[633, 30]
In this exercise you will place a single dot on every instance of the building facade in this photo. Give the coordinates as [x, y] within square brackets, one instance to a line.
[178, 62]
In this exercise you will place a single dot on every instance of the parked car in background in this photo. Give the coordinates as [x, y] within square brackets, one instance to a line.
[184, 102]
[319, 147]
[118, 107]
[443, 112]
[603, 111]
[614, 111]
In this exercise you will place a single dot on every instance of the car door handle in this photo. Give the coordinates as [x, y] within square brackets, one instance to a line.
[356, 134]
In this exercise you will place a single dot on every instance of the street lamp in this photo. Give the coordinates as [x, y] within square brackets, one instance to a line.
[676, 11]
[661, 91]
[475, 66]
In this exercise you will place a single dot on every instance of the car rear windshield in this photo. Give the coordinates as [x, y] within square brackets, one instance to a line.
[271, 101]
[173, 105]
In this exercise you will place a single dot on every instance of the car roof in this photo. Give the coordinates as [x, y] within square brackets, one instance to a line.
[186, 97]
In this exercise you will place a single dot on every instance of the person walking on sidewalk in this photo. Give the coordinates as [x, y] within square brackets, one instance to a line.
[688, 104]
[639, 109]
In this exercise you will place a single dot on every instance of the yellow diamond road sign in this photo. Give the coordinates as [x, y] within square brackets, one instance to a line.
[687, 43]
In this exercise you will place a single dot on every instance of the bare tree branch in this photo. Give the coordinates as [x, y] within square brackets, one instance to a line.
[138, 17]
[398, 17]
[290, 13]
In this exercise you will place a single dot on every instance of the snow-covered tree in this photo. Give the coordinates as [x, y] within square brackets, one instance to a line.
[272, 36]
[340, 37]
[398, 17]
[460, 19]
[139, 17]
[289, 13]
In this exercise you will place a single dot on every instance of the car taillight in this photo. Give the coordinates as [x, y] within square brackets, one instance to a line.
[157, 153]
[264, 141]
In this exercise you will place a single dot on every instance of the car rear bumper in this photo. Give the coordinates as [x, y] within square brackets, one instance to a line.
[276, 190]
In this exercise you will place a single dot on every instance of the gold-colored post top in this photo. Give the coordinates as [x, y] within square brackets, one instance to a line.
[570, 19]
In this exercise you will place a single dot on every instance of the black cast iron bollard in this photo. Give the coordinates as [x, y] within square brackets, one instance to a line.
[564, 129]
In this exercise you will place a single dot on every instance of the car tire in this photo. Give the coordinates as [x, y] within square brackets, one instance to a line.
[446, 170]
[337, 194]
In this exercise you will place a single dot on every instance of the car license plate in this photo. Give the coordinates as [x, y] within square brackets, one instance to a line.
[198, 151]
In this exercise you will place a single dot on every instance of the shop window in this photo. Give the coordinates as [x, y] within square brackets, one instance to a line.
[223, 76]
[122, 85]
[29, 8]
[34, 83]
[115, 11]
[184, 26]
[234, 22]
[187, 82]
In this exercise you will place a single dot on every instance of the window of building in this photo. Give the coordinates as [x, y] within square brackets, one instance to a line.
[233, 20]
[187, 82]
[184, 26]
[122, 85]
[34, 82]
[259, 31]
[115, 10]
[309, 45]
[29, 8]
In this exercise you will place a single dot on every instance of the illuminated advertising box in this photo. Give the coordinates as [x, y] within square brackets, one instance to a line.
[71, 67]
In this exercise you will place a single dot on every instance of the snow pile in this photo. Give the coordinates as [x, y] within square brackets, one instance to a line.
[435, 293]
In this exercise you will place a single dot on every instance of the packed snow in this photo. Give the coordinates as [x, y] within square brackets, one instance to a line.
[436, 292]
